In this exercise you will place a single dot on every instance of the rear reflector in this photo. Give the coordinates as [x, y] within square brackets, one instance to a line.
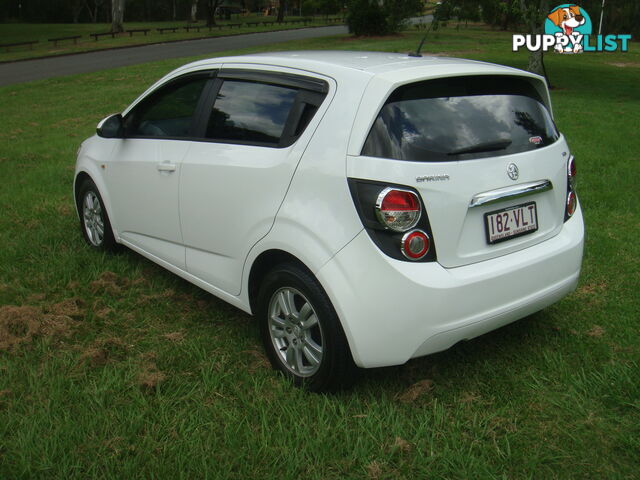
[415, 245]
[398, 210]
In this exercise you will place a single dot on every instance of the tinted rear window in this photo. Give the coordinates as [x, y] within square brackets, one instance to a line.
[461, 118]
[250, 112]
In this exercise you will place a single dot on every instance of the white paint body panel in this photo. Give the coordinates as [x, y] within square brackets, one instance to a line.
[144, 198]
[225, 205]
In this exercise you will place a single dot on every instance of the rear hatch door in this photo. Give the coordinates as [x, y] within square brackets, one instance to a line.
[485, 156]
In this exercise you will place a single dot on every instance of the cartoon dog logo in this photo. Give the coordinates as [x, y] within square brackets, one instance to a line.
[567, 18]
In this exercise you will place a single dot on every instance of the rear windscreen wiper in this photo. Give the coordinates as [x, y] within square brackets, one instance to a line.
[483, 147]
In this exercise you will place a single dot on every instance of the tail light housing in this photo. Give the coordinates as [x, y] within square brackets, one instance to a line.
[395, 218]
[398, 209]
[571, 203]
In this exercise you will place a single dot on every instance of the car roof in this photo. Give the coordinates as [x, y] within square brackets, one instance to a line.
[331, 62]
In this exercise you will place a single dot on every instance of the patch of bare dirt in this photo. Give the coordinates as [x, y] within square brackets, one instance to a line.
[175, 337]
[4, 397]
[71, 307]
[103, 351]
[401, 445]
[624, 64]
[258, 360]
[150, 376]
[415, 391]
[20, 325]
[596, 331]
[146, 299]
[374, 470]
[64, 209]
[110, 283]
[469, 397]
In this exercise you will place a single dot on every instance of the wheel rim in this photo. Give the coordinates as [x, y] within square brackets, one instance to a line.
[93, 219]
[296, 332]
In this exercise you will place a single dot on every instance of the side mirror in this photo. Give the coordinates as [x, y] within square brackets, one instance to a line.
[111, 127]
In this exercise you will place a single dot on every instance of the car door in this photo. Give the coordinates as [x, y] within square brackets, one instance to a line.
[144, 172]
[233, 183]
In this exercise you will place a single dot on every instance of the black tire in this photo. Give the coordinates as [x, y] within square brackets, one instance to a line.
[94, 218]
[292, 341]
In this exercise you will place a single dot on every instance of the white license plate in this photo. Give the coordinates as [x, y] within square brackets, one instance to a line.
[511, 222]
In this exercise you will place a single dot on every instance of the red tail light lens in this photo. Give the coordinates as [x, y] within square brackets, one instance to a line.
[572, 203]
[415, 245]
[571, 172]
[398, 210]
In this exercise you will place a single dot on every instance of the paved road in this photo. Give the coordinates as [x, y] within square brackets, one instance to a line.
[29, 70]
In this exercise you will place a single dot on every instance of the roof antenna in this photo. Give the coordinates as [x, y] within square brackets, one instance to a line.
[434, 19]
[417, 52]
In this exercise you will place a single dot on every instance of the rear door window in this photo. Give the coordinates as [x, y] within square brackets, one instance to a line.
[255, 107]
[250, 112]
[461, 118]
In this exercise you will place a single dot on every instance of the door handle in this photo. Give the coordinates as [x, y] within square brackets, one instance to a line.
[166, 167]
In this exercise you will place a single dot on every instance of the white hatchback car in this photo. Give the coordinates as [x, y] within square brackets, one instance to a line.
[369, 208]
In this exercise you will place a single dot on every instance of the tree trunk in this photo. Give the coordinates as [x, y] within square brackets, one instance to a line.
[535, 15]
[78, 5]
[212, 6]
[194, 11]
[117, 15]
[281, 8]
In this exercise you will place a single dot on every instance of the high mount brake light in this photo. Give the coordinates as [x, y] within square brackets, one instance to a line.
[398, 210]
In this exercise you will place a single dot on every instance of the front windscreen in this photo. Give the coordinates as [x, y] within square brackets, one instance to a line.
[461, 118]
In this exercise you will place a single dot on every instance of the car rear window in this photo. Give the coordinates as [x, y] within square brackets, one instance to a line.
[461, 118]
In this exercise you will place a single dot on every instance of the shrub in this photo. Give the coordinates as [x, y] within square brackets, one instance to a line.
[374, 17]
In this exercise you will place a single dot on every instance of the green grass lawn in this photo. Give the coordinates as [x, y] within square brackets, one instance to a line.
[112, 367]
[22, 32]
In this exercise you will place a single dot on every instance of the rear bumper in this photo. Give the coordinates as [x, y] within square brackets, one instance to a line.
[392, 311]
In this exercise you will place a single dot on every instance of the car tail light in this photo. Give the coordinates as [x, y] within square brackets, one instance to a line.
[415, 244]
[572, 203]
[571, 172]
[395, 218]
[572, 198]
[399, 210]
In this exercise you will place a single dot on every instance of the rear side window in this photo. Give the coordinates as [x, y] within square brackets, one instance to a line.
[167, 113]
[250, 112]
[461, 118]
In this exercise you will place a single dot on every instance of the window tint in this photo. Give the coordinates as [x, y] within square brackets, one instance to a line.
[250, 112]
[461, 118]
[168, 112]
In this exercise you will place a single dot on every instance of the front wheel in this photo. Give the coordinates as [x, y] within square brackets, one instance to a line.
[301, 332]
[94, 221]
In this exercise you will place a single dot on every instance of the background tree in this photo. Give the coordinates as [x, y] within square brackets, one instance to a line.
[534, 13]
[380, 17]
[193, 12]
[212, 6]
[117, 15]
[282, 7]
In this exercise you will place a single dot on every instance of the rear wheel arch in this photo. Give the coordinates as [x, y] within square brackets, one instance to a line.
[262, 265]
